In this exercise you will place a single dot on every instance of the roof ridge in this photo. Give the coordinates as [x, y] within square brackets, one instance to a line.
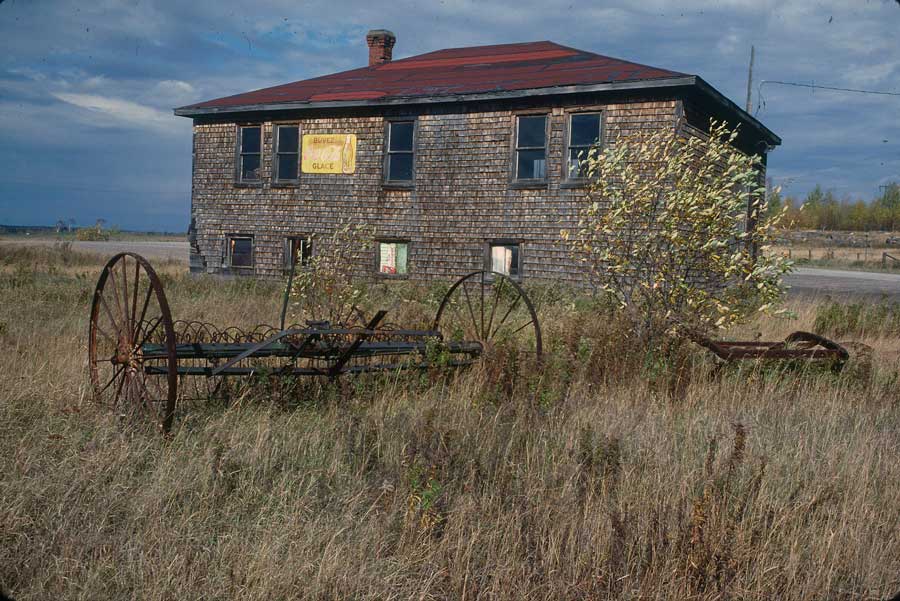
[484, 46]
[621, 60]
[508, 67]
[434, 54]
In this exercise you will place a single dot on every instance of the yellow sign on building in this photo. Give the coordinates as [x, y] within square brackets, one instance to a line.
[329, 153]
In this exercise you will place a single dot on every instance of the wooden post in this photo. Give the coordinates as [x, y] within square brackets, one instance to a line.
[750, 79]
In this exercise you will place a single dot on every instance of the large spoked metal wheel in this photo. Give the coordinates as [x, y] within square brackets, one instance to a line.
[489, 307]
[131, 343]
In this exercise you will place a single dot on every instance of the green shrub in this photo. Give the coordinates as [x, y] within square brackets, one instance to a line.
[91, 234]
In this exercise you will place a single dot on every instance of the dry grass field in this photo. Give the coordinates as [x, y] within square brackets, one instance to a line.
[841, 249]
[871, 259]
[599, 476]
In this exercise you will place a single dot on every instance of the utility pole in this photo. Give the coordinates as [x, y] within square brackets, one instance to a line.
[750, 79]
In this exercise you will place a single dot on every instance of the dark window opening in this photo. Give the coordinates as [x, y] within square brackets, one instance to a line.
[250, 140]
[287, 153]
[240, 251]
[531, 147]
[504, 258]
[399, 162]
[298, 251]
[393, 258]
[584, 132]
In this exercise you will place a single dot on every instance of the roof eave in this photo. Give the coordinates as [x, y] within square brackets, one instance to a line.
[771, 138]
[667, 82]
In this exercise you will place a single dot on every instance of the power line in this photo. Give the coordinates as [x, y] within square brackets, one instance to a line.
[809, 85]
[762, 103]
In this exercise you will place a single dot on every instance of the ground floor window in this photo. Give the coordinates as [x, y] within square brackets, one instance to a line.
[392, 257]
[504, 257]
[240, 252]
[297, 251]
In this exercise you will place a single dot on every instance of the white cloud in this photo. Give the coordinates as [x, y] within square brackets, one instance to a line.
[175, 86]
[95, 82]
[173, 92]
[730, 43]
[878, 74]
[121, 111]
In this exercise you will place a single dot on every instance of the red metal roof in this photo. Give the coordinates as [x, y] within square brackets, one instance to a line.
[479, 69]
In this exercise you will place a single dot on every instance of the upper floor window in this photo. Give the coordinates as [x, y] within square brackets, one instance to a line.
[392, 257]
[531, 147]
[240, 252]
[398, 166]
[584, 132]
[249, 153]
[287, 153]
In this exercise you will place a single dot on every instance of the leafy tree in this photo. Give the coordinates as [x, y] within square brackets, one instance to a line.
[667, 231]
[890, 198]
[821, 210]
[776, 203]
[889, 203]
[327, 288]
[855, 216]
[815, 198]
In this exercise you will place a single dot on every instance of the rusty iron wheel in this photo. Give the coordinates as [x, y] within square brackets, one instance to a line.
[488, 307]
[131, 342]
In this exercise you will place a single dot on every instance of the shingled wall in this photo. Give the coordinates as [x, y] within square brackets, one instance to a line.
[462, 195]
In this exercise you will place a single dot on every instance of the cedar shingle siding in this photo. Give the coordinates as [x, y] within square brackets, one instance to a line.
[462, 195]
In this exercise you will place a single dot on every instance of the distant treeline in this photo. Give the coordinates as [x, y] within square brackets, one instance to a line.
[821, 210]
[21, 229]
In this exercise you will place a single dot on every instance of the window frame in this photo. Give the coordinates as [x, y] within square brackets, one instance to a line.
[567, 147]
[288, 251]
[515, 180]
[239, 155]
[229, 255]
[378, 243]
[520, 263]
[403, 184]
[276, 179]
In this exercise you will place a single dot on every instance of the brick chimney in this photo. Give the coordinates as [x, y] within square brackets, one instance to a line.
[381, 45]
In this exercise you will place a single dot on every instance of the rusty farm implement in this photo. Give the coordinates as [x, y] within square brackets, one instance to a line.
[798, 346]
[139, 357]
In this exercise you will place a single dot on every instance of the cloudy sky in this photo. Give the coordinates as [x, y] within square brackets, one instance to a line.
[87, 87]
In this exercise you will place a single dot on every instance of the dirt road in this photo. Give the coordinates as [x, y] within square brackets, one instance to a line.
[835, 282]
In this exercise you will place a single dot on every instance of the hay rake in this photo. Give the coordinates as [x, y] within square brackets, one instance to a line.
[138, 355]
[798, 346]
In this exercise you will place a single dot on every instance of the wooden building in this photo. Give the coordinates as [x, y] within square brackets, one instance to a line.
[460, 159]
